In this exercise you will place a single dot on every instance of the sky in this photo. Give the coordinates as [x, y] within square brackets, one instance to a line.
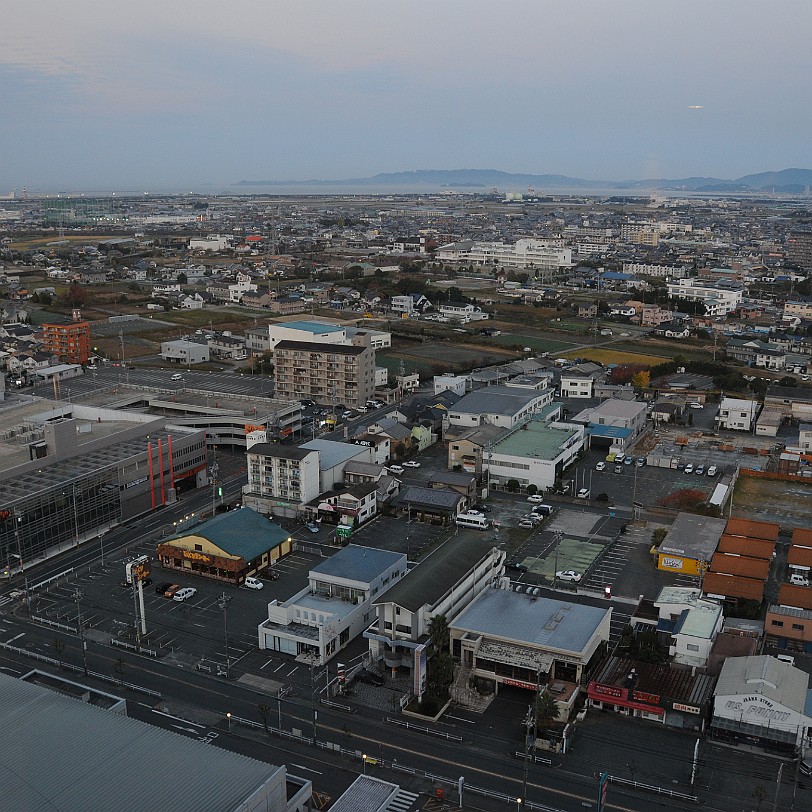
[176, 94]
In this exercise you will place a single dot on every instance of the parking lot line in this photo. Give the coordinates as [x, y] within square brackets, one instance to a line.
[267, 663]
[293, 672]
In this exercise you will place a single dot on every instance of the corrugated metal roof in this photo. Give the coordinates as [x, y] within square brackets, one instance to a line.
[241, 532]
[67, 755]
[366, 794]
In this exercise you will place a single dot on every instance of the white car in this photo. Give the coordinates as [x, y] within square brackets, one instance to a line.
[601, 466]
[176, 377]
[696, 405]
[713, 470]
[411, 464]
[253, 583]
[583, 493]
[184, 594]
[396, 469]
[536, 497]
[568, 575]
[689, 469]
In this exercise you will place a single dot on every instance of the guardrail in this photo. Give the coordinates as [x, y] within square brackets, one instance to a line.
[330, 704]
[420, 729]
[52, 578]
[54, 624]
[149, 652]
[680, 796]
[534, 758]
[79, 669]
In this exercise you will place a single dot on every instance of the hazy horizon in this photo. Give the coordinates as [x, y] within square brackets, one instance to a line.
[174, 96]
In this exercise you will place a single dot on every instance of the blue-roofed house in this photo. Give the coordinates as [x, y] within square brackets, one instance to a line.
[335, 606]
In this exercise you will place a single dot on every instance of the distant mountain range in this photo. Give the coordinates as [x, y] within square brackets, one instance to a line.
[787, 180]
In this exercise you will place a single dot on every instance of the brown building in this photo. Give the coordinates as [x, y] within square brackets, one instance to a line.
[752, 529]
[71, 342]
[328, 373]
[732, 587]
[740, 565]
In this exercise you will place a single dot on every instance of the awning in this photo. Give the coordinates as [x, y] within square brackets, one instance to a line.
[758, 731]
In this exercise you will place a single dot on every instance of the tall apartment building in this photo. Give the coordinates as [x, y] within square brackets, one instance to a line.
[71, 342]
[799, 248]
[327, 373]
[280, 476]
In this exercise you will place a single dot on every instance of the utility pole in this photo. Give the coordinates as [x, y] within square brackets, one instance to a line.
[214, 470]
[137, 615]
[78, 595]
[223, 604]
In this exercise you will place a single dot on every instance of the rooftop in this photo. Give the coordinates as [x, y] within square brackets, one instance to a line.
[502, 400]
[537, 439]
[108, 756]
[332, 453]
[693, 536]
[543, 622]
[310, 326]
[700, 620]
[355, 563]
[764, 676]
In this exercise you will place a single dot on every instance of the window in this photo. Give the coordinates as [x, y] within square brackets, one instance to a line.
[779, 623]
[797, 627]
[692, 647]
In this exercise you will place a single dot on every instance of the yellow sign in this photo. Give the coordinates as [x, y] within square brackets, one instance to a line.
[195, 556]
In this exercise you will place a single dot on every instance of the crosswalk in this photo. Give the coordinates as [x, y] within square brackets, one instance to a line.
[403, 801]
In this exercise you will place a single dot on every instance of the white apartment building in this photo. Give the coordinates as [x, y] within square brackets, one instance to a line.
[718, 300]
[281, 478]
[211, 242]
[462, 312]
[541, 255]
[798, 309]
[661, 271]
[736, 414]
[335, 606]
[504, 406]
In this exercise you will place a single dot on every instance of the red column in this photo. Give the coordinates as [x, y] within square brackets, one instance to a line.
[171, 464]
[151, 475]
[161, 470]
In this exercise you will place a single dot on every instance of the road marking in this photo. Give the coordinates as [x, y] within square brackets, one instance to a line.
[21, 634]
[460, 719]
[268, 663]
[308, 769]
[282, 665]
[178, 719]
[290, 675]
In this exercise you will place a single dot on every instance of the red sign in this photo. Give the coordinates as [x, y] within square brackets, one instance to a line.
[642, 696]
[531, 686]
[5, 514]
[607, 690]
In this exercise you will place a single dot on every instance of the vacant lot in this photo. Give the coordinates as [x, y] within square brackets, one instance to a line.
[433, 357]
[605, 355]
[787, 503]
[536, 343]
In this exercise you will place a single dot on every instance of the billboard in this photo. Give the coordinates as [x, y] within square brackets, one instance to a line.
[419, 670]
[138, 569]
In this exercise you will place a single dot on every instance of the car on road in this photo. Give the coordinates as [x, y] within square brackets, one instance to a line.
[569, 575]
[601, 466]
[696, 406]
[583, 494]
[184, 594]
[396, 469]
[176, 377]
[173, 588]
[713, 470]
[411, 464]
[543, 510]
[312, 527]
[307, 403]
[346, 415]
[536, 497]
[689, 469]
[162, 589]
[253, 583]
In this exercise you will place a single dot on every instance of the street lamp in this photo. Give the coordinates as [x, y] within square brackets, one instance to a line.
[228, 716]
[518, 805]
[364, 760]
[223, 604]
[78, 595]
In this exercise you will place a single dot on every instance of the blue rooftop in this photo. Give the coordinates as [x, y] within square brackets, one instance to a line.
[356, 563]
[312, 326]
[598, 430]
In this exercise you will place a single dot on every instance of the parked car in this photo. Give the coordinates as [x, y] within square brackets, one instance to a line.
[527, 524]
[641, 461]
[482, 508]
[543, 510]
[411, 464]
[797, 579]
[696, 406]
[173, 588]
[396, 469]
[628, 460]
[583, 493]
[253, 583]
[163, 588]
[312, 527]
[618, 469]
[369, 677]
[700, 470]
[619, 458]
[601, 466]
[536, 497]
[569, 575]
[689, 469]
[713, 470]
[184, 594]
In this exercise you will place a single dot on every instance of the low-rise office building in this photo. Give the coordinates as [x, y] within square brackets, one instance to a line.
[502, 406]
[184, 353]
[690, 544]
[335, 606]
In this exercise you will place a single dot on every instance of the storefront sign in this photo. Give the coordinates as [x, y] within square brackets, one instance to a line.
[531, 686]
[607, 690]
[671, 563]
[642, 696]
[136, 482]
[757, 706]
[249, 427]
[678, 706]
[195, 556]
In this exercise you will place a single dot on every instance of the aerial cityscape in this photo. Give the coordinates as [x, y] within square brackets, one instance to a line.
[398, 413]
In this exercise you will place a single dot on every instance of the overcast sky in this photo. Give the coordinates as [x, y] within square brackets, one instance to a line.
[174, 94]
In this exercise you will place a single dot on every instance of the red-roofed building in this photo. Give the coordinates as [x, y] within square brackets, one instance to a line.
[753, 530]
[732, 587]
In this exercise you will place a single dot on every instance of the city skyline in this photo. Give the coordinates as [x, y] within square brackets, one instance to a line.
[165, 97]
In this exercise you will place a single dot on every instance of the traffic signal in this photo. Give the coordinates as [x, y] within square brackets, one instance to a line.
[219, 490]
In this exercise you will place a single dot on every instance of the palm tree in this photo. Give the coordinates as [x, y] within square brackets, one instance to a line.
[546, 710]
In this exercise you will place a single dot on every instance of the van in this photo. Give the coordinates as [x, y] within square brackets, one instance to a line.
[176, 377]
[798, 579]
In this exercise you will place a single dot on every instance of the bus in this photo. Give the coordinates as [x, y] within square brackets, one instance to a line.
[475, 522]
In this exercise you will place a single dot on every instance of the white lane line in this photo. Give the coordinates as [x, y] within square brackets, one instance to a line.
[178, 719]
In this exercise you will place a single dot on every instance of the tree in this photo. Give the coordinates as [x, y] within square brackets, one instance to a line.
[787, 380]
[641, 380]
[440, 671]
[263, 714]
[182, 279]
[546, 711]
[513, 485]
[74, 296]
[531, 489]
